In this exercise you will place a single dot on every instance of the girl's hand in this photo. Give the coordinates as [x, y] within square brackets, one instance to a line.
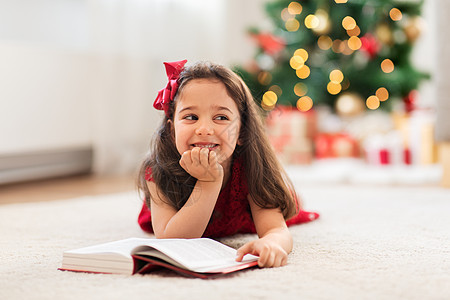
[270, 254]
[202, 164]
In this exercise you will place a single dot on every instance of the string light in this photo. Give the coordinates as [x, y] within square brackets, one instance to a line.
[267, 108]
[345, 84]
[276, 89]
[387, 66]
[395, 14]
[303, 72]
[304, 103]
[334, 88]
[302, 53]
[348, 23]
[354, 43]
[347, 50]
[295, 8]
[338, 46]
[292, 25]
[336, 76]
[373, 102]
[286, 15]
[300, 89]
[354, 32]
[269, 98]
[324, 42]
[382, 94]
[296, 62]
[324, 22]
[264, 78]
[311, 21]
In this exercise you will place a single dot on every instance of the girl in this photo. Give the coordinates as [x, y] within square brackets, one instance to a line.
[212, 171]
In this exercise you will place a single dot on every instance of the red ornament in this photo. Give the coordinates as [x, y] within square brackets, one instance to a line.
[269, 43]
[370, 45]
[410, 101]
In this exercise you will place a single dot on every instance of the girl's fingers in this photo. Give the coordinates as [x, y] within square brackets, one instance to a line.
[246, 249]
[212, 158]
[278, 261]
[204, 153]
[186, 158]
[284, 261]
[195, 156]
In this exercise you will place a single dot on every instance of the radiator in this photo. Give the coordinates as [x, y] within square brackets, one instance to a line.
[44, 164]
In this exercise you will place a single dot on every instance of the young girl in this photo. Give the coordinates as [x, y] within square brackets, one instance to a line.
[212, 171]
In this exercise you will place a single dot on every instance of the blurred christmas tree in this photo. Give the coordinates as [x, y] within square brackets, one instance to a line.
[349, 55]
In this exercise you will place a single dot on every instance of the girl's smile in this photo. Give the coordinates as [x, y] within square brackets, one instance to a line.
[206, 117]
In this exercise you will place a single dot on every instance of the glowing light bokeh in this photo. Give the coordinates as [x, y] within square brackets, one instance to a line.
[387, 66]
[324, 42]
[276, 89]
[296, 62]
[264, 78]
[302, 53]
[354, 43]
[303, 72]
[382, 94]
[324, 22]
[292, 25]
[269, 98]
[395, 14]
[354, 32]
[311, 21]
[338, 46]
[336, 76]
[286, 15]
[373, 102]
[304, 103]
[300, 89]
[334, 88]
[295, 8]
[348, 23]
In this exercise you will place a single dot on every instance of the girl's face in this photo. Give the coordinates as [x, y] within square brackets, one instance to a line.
[207, 117]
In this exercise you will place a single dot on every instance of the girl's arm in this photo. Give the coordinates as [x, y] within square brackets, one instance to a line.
[275, 240]
[191, 220]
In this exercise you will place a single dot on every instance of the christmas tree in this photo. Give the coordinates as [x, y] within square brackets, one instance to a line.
[350, 55]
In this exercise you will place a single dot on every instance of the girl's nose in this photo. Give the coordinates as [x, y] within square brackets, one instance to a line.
[204, 128]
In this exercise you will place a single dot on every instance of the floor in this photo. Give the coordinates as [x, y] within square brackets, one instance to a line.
[64, 188]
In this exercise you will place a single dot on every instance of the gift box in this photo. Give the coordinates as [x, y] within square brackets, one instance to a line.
[290, 132]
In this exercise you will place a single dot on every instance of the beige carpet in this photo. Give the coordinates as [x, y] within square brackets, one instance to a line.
[371, 242]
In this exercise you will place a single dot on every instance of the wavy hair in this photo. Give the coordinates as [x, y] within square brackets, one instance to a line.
[267, 181]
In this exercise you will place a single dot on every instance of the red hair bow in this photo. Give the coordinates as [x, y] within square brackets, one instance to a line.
[166, 95]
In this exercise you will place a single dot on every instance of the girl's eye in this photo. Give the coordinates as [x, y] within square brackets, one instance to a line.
[190, 117]
[222, 118]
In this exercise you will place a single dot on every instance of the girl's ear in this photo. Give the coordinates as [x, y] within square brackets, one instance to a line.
[239, 140]
[170, 125]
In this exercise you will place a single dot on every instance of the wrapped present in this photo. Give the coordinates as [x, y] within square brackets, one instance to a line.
[333, 145]
[290, 132]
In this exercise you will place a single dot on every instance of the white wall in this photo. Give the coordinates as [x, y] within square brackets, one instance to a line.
[45, 99]
[77, 73]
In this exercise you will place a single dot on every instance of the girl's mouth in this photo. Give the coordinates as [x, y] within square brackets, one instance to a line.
[208, 146]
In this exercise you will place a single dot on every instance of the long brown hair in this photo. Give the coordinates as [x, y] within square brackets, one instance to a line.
[267, 181]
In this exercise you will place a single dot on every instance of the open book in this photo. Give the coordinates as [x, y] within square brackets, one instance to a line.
[202, 257]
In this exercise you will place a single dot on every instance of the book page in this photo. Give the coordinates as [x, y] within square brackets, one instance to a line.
[201, 255]
[120, 248]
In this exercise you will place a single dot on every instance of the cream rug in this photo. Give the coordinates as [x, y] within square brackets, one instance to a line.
[371, 242]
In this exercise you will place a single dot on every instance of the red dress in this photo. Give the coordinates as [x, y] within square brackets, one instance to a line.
[232, 213]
